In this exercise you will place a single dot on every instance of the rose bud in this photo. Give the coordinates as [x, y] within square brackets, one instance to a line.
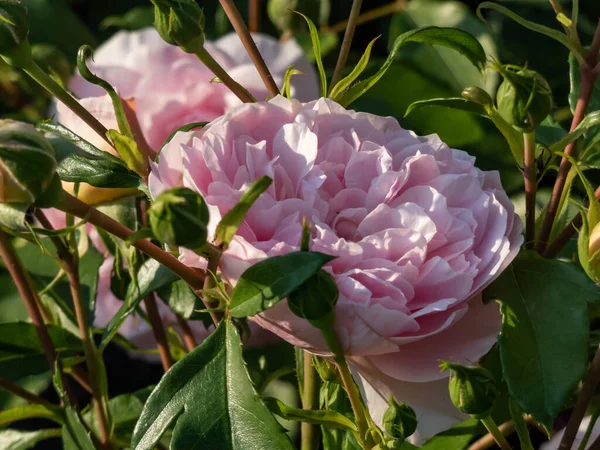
[472, 389]
[524, 98]
[178, 217]
[315, 299]
[399, 421]
[14, 25]
[326, 370]
[27, 163]
[180, 22]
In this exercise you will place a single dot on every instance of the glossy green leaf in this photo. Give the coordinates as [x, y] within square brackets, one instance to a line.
[346, 82]
[150, 277]
[231, 221]
[452, 103]
[316, 45]
[543, 342]
[551, 33]
[457, 40]
[25, 355]
[327, 418]
[128, 150]
[14, 217]
[332, 396]
[24, 440]
[457, 437]
[75, 435]
[32, 411]
[590, 121]
[181, 300]
[210, 401]
[97, 172]
[271, 280]
[134, 19]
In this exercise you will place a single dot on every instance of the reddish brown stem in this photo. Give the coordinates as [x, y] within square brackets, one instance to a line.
[17, 390]
[530, 176]
[254, 16]
[346, 43]
[242, 30]
[588, 78]
[188, 335]
[31, 300]
[158, 329]
[583, 399]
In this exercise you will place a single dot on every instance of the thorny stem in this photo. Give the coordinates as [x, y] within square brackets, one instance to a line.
[491, 426]
[69, 264]
[589, 75]
[530, 176]
[346, 43]
[29, 295]
[309, 432]
[240, 28]
[188, 335]
[17, 390]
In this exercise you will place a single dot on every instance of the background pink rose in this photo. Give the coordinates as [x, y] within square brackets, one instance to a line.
[416, 228]
[172, 88]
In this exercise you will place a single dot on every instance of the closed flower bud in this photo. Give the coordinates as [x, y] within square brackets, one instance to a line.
[180, 22]
[472, 389]
[27, 163]
[315, 299]
[179, 217]
[14, 25]
[477, 95]
[399, 420]
[524, 98]
[325, 369]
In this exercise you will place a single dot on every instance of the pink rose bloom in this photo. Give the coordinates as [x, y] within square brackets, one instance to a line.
[172, 88]
[417, 230]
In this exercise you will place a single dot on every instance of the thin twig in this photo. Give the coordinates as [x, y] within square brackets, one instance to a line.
[346, 43]
[242, 30]
[583, 399]
[31, 300]
[530, 176]
[188, 335]
[158, 329]
[17, 390]
[588, 80]
[372, 14]
[254, 16]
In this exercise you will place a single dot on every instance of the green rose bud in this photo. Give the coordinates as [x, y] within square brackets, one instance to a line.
[315, 299]
[14, 25]
[477, 95]
[180, 22]
[524, 98]
[325, 369]
[472, 389]
[399, 420]
[178, 217]
[27, 163]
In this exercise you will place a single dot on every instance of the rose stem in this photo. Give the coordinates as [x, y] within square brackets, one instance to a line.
[583, 399]
[589, 75]
[223, 76]
[310, 433]
[158, 329]
[31, 300]
[81, 377]
[487, 441]
[530, 176]
[240, 28]
[346, 43]
[371, 14]
[209, 281]
[362, 422]
[42, 78]
[491, 426]
[69, 264]
[566, 234]
[188, 335]
[17, 390]
[254, 16]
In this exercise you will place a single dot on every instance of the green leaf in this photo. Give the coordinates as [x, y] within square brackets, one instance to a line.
[9, 416]
[543, 342]
[590, 121]
[456, 438]
[184, 128]
[97, 172]
[150, 277]
[551, 33]
[210, 401]
[333, 396]
[457, 40]
[271, 280]
[75, 435]
[129, 151]
[316, 44]
[452, 103]
[231, 221]
[24, 440]
[286, 89]
[327, 418]
[14, 216]
[345, 82]
[134, 19]
[25, 355]
[181, 300]
[549, 132]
